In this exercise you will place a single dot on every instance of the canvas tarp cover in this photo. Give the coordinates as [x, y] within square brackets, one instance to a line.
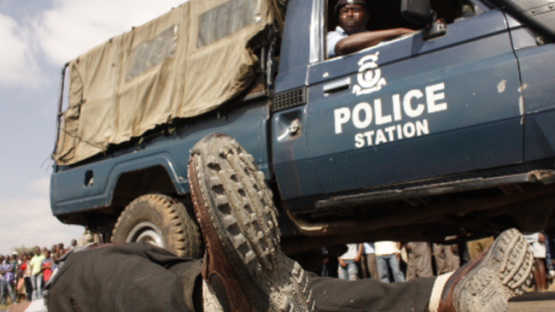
[182, 64]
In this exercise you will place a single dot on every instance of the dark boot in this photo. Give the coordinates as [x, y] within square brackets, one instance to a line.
[243, 264]
[501, 272]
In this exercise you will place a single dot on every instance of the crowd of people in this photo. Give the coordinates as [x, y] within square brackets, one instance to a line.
[24, 274]
[390, 261]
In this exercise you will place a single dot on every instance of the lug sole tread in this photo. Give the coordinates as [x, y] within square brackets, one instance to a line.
[504, 274]
[245, 219]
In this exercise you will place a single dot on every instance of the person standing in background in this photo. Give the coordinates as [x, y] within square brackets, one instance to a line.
[420, 260]
[388, 256]
[550, 257]
[447, 258]
[36, 273]
[15, 265]
[61, 247]
[369, 265]
[20, 285]
[54, 252]
[6, 281]
[47, 265]
[73, 244]
[27, 276]
[347, 268]
[537, 243]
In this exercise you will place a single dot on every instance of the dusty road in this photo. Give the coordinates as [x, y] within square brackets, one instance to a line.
[526, 303]
[533, 302]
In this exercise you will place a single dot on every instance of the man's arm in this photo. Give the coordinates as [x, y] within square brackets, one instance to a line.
[341, 262]
[363, 40]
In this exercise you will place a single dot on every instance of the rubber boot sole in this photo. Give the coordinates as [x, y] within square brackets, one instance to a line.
[241, 213]
[505, 272]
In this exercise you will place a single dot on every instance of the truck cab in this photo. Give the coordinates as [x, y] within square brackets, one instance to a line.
[445, 131]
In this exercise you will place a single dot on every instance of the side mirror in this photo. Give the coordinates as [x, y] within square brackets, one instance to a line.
[417, 11]
[421, 13]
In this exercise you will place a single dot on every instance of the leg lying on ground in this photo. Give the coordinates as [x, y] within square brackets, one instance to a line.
[237, 217]
[244, 270]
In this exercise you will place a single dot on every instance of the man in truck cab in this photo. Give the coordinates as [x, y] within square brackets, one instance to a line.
[351, 35]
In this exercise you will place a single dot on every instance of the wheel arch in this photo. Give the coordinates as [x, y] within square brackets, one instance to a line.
[132, 179]
[126, 181]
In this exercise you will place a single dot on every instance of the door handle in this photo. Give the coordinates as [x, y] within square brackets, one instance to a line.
[337, 85]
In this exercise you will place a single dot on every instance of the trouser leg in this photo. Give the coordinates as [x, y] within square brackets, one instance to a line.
[35, 292]
[411, 267]
[372, 266]
[383, 269]
[441, 259]
[130, 277]
[39, 282]
[395, 269]
[325, 270]
[364, 265]
[371, 295]
[453, 259]
[11, 292]
[2, 292]
[353, 270]
[424, 260]
[342, 272]
[28, 288]
[137, 277]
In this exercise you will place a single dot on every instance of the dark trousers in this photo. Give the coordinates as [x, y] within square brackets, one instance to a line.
[140, 277]
[28, 289]
[369, 266]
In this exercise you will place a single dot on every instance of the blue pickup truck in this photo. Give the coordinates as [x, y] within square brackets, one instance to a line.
[446, 131]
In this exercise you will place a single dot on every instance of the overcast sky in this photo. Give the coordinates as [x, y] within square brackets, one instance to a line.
[36, 38]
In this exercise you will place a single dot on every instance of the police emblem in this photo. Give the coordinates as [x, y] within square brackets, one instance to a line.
[369, 75]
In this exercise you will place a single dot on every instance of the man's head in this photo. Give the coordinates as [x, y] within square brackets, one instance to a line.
[37, 251]
[73, 243]
[352, 15]
[47, 254]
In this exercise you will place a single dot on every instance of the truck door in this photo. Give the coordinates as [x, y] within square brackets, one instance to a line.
[414, 109]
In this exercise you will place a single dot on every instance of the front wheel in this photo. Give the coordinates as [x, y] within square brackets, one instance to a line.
[161, 221]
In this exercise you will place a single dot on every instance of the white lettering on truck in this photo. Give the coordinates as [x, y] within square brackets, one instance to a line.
[363, 114]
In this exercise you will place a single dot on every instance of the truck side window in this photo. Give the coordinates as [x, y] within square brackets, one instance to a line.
[386, 15]
[225, 20]
[152, 53]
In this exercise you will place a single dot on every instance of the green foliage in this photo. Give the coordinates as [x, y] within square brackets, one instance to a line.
[23, 248]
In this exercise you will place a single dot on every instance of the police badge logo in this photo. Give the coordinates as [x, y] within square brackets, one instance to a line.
[369, 75]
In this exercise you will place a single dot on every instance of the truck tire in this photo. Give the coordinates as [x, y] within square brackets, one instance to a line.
[162, 221]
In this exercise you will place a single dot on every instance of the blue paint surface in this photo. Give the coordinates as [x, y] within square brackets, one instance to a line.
[495, 107]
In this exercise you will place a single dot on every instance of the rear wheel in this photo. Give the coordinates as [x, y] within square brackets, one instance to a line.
[161, 221]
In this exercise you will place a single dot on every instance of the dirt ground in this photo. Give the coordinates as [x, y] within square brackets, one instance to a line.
[531, 302]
